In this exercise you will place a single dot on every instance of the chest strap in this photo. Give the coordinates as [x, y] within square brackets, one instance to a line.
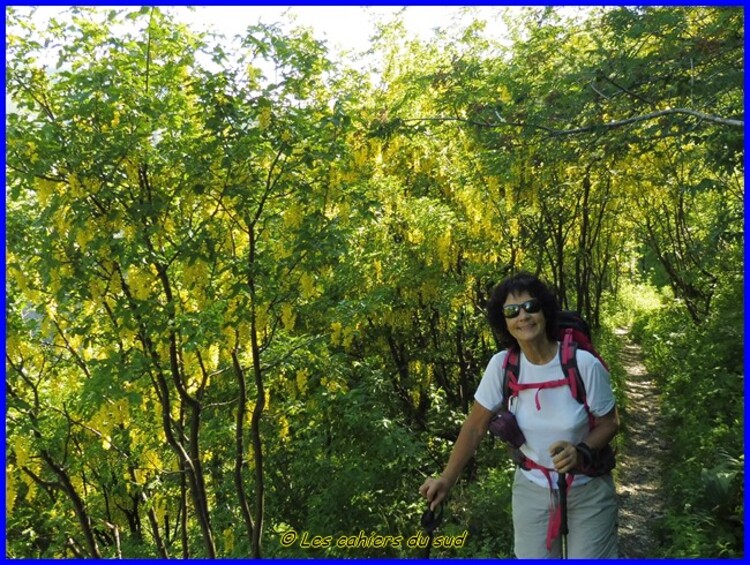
[517, 387]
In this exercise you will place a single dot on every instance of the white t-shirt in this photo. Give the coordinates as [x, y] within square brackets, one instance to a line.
[559, 417]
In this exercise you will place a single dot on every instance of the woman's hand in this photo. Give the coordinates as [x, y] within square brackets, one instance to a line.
[564, 456]
[435, 491]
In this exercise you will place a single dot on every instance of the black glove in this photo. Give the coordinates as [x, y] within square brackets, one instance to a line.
[587, 455]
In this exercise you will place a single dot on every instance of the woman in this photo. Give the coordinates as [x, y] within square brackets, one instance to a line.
[523, 311]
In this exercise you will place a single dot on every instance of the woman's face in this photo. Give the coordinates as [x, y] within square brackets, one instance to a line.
[525, 326]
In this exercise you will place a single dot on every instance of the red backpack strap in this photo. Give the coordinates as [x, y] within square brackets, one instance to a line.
[511, 386]
[569, 362]
[511, 369]
[516, 387]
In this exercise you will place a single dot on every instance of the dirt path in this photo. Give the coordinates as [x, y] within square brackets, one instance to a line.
[640, 496]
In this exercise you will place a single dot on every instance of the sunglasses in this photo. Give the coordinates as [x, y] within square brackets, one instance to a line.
[531, 306]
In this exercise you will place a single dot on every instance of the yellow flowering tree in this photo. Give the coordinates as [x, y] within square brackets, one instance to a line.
[160, 224]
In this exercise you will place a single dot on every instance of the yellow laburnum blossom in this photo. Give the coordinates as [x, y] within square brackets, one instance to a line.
[444, 249]
[21, 449]
[302, 376]
[75, 341]
[61, 219]
[55, 284]
[244, 338]
[378, 269]
[10, 491]
[76, 188]
[416, 163]
[283, 429]
[44, 190]
[281, 249]
[336, 328]
[334, 177]
[151, 459]
[344, 210]
[427, 165]
[333, 384]
[160, 510]
[214, 353]
[128, 337]
[415, 236]
[228, 540]
[12, 345]
[414, 394]
[509, 199]
[376, 148]
[140, 476]
[31, 486]
[307, 283]
[360, 156]
[228, 334]
[77, 482]
[493, 184]
[139, 281]
[513, 227]
[32, 152]
[137, 436]
[293, 217]
[288, 317]
[457, 303]
[131, 170]
[264, 117]
[261, 317]
[83, 237]
[348, 337]
[130, 232]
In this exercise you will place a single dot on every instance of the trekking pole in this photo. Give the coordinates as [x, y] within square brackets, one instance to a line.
[562, 489]
[430, 522]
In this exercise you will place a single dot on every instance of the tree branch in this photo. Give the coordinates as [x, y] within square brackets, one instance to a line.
[651, 116]
[609, 125]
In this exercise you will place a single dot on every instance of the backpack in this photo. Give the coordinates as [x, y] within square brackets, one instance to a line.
[574, 333]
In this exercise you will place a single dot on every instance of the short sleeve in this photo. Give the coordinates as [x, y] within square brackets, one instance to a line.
[596, 379]
[489, 393]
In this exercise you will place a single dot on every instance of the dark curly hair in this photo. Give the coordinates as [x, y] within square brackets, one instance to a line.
[518, 284]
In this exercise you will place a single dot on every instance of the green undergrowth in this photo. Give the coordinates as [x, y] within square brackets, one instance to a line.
[699, 369]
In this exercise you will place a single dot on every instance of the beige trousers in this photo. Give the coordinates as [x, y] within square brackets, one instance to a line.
[592, 520]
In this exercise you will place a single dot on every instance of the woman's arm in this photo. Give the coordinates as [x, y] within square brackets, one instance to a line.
[605, 429]
[568, 458]
[472, 432]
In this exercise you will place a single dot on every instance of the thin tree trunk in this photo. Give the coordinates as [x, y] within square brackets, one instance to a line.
[260, 401]
[184, 513]
[78, 505]
[239, 461]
